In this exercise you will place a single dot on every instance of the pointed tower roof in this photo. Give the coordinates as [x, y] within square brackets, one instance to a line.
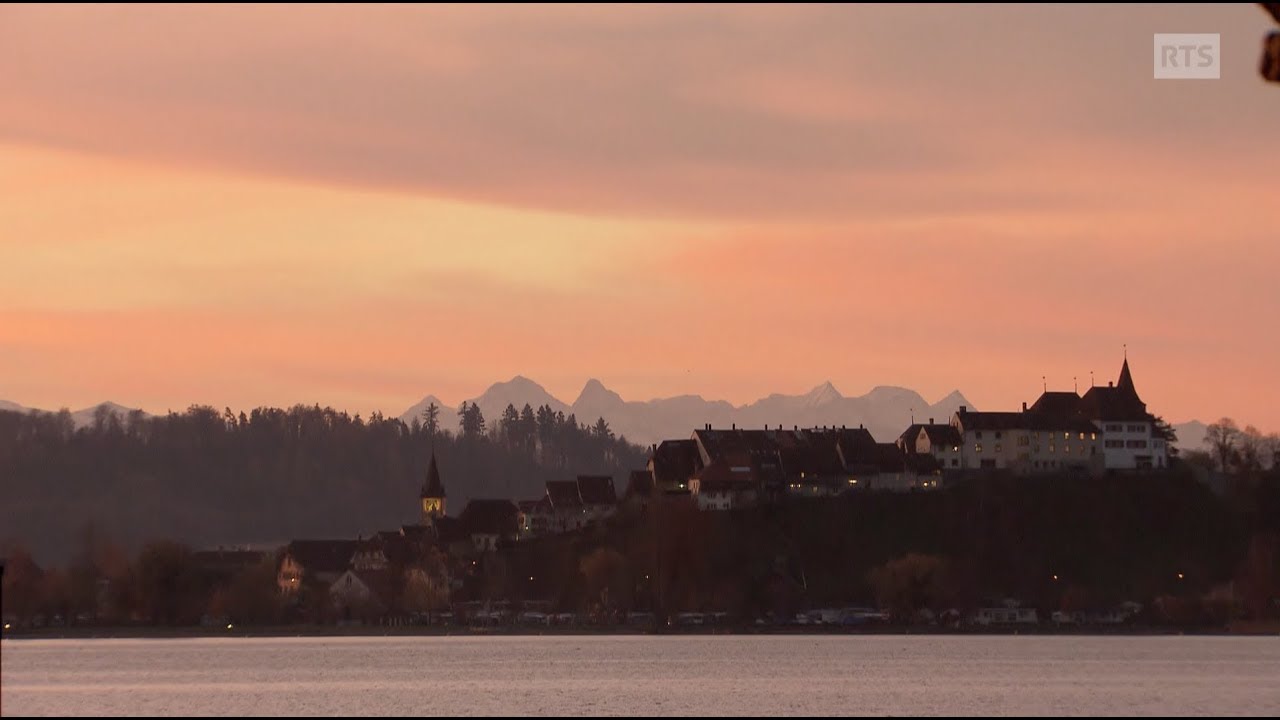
[1126, 379]
[433, 487]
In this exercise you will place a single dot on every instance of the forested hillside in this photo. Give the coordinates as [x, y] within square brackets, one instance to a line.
[206, 478]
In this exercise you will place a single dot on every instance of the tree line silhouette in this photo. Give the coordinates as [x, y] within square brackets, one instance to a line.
[209, 478]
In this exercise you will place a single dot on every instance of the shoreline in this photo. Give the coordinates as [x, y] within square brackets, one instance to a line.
[283, 631]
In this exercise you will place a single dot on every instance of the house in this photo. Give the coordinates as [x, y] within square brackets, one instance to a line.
[1027, 442]
[489, 522]
[599, 496]
[567, 510]
[382, 551]
[1133, 439]
[717, 487]
[640, 489]
[741, 466]
[889, 467]
[357, 594]
[939, 440]
[672, 463]
[534, 518]
[220, 566]
[568, 505]
[313, 563]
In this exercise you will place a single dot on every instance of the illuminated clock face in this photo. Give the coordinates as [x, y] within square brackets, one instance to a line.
[431, 505]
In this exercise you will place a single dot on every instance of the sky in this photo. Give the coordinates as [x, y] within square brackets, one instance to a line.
[358, 206]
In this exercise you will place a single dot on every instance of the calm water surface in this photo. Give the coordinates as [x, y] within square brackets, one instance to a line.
[594, 675]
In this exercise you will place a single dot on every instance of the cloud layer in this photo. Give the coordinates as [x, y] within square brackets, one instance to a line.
[246, 205]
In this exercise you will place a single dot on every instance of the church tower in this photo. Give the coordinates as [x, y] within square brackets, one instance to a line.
[432, 494]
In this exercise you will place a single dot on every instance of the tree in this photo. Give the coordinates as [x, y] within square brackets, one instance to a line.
[508, 425]
[168, 586]
[253, 597]
[22, 583]
[426, 587]
[608, 583]
[471, 420]
[1199, 458]
[431, 419]
[601, 429]
[1249, 450]
[1221, 439]
[1271, 450]
[528, 428]
[908, 583]
[1163, 430]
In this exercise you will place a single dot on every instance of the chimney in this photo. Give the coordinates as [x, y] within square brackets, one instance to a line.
[734, 426]
[1111, 383]
[930, 421]
[964, 408]
[1024, 406]
[795, 428]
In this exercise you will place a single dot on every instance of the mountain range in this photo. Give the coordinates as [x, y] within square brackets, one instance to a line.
[885, 410]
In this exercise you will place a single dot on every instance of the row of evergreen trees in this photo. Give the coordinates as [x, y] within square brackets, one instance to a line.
[547, 434]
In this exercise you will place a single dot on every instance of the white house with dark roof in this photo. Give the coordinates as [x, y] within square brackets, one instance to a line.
[940, 440]
[1133, 440]
[1027, 442]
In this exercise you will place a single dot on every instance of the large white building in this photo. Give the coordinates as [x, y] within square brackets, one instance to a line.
[1028, 442]
[1132, 439]
[1108, 428]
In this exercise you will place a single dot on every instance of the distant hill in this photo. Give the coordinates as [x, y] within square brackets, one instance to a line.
[1190, 435]
[885, 410]
[81, 418]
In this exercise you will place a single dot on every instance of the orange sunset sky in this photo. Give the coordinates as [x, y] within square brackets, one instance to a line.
[356, 206]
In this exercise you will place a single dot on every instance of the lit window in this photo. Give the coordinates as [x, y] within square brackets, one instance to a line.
[1081, 436]
[1066, 436]
[977, 447]
[1050, 448]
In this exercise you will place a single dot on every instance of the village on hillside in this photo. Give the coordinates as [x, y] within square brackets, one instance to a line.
[422, 568]
[989, 519]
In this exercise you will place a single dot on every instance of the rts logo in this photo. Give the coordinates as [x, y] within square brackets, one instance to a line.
[1188, 56]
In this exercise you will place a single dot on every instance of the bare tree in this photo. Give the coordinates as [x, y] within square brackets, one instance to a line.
[1271, 450]
[1249, 450]
[1221, 439]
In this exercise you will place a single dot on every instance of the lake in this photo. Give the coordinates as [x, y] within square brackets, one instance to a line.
[646, 675]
